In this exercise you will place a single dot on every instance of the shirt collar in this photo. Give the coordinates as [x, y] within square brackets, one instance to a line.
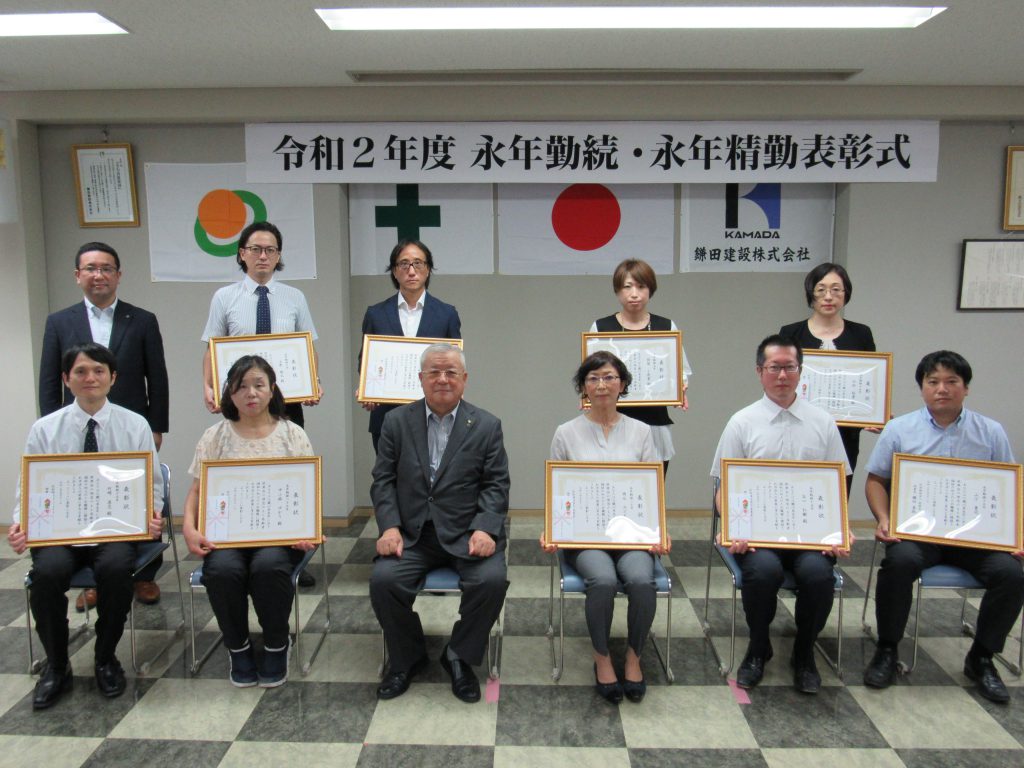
[959, 419]
[102, 416]
[251, 285]
[774, 409]
[441, 419]
[92, 308]
[419, 302]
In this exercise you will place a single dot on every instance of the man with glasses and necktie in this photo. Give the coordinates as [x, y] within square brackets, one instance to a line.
[410, 312]
[258, 304]
[90, 424]
[133, 335]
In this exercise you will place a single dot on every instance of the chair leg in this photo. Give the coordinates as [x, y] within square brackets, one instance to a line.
[306, 665]
[666, 660]
[917, 631]
[836, 663]
[198, 663]
[555, 672]
[868, 629]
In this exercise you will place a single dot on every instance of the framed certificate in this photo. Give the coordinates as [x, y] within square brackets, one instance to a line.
[105, 183]
[260, 502]
[86, 498]
[1013, 202]
[604, 505]
[289, 354]
[785, 504]
[855, 387]
[956, 501]
[389, 367]
[992, 275]
[654, 360]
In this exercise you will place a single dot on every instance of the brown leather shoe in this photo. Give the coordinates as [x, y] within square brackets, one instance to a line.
[85, 596]
[147, 592]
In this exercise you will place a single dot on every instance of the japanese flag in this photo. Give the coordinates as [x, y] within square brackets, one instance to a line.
[583, 229]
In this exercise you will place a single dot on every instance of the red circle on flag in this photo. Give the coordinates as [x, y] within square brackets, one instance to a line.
[586, 217]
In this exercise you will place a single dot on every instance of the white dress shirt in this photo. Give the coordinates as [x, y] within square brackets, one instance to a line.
[117, 429]
[408, 316]
[101, 322]
[233, 310]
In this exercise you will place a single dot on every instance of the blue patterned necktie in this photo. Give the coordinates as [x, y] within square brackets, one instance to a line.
[262, 310]
[90, 438]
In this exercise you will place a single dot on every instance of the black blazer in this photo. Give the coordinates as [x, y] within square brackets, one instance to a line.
[439, 321]
[856, 337]
[141, 384]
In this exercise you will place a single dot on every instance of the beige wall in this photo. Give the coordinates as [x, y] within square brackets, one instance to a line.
[901, 243]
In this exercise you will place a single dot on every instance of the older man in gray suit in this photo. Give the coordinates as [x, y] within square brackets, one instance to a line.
[440, 497]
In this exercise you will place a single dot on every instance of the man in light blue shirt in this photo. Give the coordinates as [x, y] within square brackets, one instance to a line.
[943, 427]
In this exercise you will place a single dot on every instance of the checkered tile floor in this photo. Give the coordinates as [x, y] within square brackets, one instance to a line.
[331, 717]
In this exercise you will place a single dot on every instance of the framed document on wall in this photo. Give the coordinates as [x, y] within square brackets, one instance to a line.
[86, 498]
[289, 354]
[260, 502]
[785, 504]
[992, 275]
[105, 185]
[956, 501]
[606, 505]
[653, 358]
[1013, 202]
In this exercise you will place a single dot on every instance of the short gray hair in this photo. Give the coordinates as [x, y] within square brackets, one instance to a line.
[442, 349]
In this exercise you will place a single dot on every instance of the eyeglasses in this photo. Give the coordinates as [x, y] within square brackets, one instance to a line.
[775, 370]
[595, 380]
[835, 290]
[105, 270]
[418, 265]
[256, 250]
[433, 374]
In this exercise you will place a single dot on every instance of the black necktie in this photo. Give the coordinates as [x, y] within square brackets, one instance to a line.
[262, 310]
[90, 438]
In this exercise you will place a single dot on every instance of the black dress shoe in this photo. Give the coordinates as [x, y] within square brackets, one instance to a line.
[110, 678]
[805, 676]
[610, 692]
[881, 672]
[465, 685]
[752, 669]
[306, 579]
[396, 682]
[635, 690]
[52, 683]
[982, 671]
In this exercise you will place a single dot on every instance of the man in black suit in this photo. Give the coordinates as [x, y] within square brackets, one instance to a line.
[440, 497]
[133, 335]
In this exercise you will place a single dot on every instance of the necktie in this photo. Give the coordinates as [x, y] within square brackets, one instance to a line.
[90, 438]
[262, 310]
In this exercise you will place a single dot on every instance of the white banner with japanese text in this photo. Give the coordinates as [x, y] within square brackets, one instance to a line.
[819, 151]
[755, 227]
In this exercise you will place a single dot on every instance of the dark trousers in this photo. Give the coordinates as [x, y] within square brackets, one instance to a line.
[396, 581]
[1000, 572]
[265, 574]
[763, 573]
[52, 569]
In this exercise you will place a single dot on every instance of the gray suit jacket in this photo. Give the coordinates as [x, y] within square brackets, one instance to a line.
[470, 489]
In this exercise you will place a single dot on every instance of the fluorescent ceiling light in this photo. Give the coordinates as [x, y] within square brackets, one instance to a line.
[43, 24]
[627, 17]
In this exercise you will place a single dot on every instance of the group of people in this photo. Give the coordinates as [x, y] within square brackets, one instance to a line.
[440, 487]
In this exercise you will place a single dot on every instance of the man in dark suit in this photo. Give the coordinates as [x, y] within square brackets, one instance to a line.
[440, 497]
[133, 335]
[410, 312]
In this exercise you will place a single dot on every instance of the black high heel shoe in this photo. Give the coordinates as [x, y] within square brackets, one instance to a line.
[635, 690]
[610, 692]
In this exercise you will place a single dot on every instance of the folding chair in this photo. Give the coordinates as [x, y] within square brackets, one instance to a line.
[571, 583]
[84, 578]
[789, 584]
[195, 583]
[939, 577]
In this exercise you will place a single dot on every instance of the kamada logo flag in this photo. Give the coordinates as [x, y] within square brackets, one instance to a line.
[455, 221]
[197, 211]
[583, 229]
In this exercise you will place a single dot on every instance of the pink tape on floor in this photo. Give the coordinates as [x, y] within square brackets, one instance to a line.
[739, 693]
[492, 690]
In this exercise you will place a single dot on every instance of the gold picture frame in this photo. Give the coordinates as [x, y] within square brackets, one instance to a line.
[654, 360]
[842, 377]
[289, 354]
[988, 497]
[105, 185]
[113, 489]
[241, 491]
[604, 505]
[394, 361]
[814, 494]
